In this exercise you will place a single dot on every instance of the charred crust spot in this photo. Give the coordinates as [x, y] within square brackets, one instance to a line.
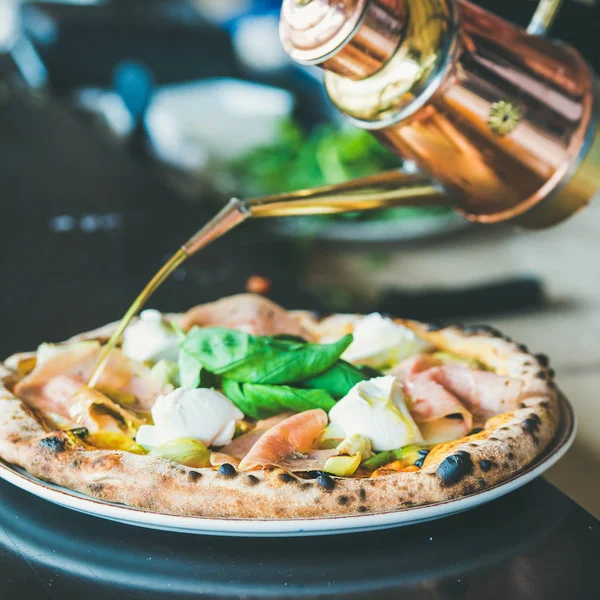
[472, 445]
[252, 480]
[306, 486]
[286, 478]
[96, 488]
[343, 500]
[481, 483]
[522, 405]
[542, 359]
[363, 509]
[505, 465]
[494, 439]
[545, 404]
[362, 494]
[54, 444]
[510, 456]
[551, 373]
[434, 326]
[106, 462]
[535, 418]
[326, 482]
[530, 425]
[454, 467]
[542, 375]
[551, 384]
[527, 363]
[194, 476]
[476, 430]
[523, 348]
[504, 428]
[469, 488]
[227, 470]
[485, 465]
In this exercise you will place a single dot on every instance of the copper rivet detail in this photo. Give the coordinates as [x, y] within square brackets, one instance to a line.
[504, 117]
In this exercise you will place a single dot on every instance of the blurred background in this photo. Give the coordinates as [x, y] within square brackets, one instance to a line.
[125, 124]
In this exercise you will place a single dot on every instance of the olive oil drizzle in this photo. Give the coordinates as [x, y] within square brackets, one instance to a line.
[385, 190]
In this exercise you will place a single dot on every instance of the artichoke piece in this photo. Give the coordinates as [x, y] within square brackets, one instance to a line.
[331, 437]
[111, 440]
[185, 451]
[408, 455]
[356, 444]
[342, 466]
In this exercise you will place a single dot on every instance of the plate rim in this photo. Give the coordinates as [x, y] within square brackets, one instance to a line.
[331, 525]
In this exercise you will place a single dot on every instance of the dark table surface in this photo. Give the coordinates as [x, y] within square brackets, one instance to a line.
[532, 544]
[83, 224]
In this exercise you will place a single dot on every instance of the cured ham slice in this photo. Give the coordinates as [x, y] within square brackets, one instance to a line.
[56, 384]
[293, 438]
[447, 398]
[483, 393]
[240, 447]
[246, 312]
[412, 366]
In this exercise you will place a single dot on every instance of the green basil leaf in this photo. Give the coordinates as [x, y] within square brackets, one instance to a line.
[337, 380]
[380, 460]
[261, 401]
[245, 358]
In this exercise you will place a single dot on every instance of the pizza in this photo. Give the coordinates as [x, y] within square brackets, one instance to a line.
[242, 409]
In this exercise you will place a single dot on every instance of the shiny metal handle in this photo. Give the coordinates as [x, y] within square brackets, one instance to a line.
[545, 13]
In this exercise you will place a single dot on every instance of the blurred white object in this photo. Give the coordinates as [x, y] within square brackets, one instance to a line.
[110, 106]
[9, 24]
[257, 45]
[216, 118]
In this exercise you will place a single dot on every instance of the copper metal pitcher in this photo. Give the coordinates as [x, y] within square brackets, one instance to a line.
[505, 119]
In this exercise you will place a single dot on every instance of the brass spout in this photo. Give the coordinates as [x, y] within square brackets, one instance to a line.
[384, 190]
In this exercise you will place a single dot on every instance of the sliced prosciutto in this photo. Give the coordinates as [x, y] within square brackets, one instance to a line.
[447, 398]
[246, 312]
[483, 393]
[294, 438]
[239, 448]
[56, 386]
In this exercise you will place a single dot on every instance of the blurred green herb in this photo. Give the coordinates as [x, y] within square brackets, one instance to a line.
[329, 154]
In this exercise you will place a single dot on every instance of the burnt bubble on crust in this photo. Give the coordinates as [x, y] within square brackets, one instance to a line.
[531, 424]
[55, 444]
[252, 480]
[454, 467]
[542, 359]
[485, 465]
[227, 470]
[286, 478]
[194, 475]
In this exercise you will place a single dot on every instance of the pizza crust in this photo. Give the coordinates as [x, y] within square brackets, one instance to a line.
[452, 470]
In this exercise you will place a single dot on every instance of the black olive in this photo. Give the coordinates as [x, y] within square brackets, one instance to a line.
[227, 470]
[326, 482]
[453, 468]
[419, 462]
[423, 452]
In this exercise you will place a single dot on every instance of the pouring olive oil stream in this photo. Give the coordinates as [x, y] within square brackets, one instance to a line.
[385, 190]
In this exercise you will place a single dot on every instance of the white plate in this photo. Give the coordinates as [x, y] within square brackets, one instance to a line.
[292, 527]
